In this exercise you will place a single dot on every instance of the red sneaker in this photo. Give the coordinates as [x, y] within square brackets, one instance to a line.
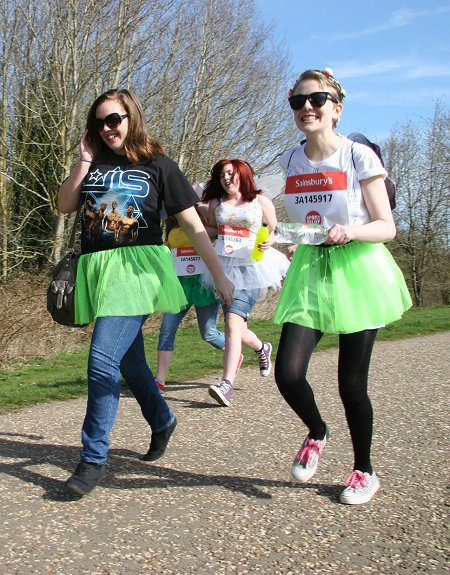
[241, 359]
[161, 386]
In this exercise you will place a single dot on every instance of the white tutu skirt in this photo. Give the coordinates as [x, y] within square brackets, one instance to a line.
[248, 274]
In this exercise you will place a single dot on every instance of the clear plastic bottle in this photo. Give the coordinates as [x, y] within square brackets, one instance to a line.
[294, 233]
[262, 235]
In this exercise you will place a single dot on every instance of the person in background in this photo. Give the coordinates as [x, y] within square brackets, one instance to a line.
[189, 268]
[237, 210]
[350, 285]
[119, 284]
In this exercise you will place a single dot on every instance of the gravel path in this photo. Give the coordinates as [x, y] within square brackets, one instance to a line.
[221, 501]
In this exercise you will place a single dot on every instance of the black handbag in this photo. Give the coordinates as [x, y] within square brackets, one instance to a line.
[61, 291]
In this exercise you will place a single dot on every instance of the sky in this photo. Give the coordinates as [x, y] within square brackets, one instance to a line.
[392, 57]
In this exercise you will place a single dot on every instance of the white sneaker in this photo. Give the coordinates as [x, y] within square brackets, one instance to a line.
[361, 487]
[307, 459]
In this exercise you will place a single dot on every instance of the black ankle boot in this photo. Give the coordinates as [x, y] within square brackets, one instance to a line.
[159, 442]
[86, 477]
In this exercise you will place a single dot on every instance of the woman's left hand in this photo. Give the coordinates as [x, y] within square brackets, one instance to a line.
[268, 243]
[338, 234]
[265, 245]
[225, 290]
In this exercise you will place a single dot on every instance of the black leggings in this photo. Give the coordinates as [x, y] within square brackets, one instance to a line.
[294, 352]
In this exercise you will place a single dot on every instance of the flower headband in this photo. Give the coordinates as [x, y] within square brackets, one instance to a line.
[328, 72]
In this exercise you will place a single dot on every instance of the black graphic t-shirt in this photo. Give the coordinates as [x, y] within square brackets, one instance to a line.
[122, 202]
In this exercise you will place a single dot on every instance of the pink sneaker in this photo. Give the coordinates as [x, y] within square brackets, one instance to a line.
[361, 487]
[307, 459]
[241, 359]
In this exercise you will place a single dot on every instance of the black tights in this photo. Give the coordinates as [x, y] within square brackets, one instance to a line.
[294, 352]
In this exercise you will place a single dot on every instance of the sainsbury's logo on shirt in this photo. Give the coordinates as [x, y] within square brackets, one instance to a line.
[226, 230]
[318, 182]
[186, 252]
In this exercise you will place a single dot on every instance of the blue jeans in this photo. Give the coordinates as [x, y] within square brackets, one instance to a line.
[117, 347]
[206, 319]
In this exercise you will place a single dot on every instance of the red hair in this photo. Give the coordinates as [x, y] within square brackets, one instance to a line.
[247, 185]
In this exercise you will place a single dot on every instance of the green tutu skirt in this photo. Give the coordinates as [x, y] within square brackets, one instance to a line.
[128, 281]
[196, 293]
[343, 289]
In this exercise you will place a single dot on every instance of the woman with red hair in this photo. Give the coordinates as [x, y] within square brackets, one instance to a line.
[238, 209]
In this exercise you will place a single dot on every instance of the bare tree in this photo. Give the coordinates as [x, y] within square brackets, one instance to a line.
[221, 88]
[9, 32]
[210, 73]
[419, 160]
[48, 86]
[67, 55]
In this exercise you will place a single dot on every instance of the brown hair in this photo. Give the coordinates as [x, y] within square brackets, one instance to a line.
[139, 144]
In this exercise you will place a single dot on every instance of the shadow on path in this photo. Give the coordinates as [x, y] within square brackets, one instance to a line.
[122, 462]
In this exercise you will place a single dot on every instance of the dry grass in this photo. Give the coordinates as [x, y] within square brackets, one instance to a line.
[27, 330]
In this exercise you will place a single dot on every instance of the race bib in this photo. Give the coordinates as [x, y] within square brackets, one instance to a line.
[318, 198]
[233, 242]
[187, 262]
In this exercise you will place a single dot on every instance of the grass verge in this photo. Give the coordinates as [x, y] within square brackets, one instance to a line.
[64, 376]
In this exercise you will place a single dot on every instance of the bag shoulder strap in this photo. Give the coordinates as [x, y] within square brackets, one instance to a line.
[73, 233]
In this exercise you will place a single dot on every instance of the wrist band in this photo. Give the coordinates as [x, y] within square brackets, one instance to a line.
[88, 161]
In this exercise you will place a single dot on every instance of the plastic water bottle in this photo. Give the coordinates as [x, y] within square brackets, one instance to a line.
[294, 233]
[262, 235]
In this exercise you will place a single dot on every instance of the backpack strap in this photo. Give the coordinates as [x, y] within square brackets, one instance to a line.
[290, 158]
[388, 183]
[302, 143]
[353, 159]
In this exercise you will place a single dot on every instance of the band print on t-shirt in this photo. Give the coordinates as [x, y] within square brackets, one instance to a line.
[112, 207]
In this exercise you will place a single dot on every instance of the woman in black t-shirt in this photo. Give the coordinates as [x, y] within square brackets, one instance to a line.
[125, 272]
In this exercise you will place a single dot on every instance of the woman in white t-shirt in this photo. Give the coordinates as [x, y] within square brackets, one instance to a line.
[350, 285]
[189, 268]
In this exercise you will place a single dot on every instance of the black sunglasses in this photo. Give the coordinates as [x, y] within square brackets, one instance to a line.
[113, 121]
[316, 99]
